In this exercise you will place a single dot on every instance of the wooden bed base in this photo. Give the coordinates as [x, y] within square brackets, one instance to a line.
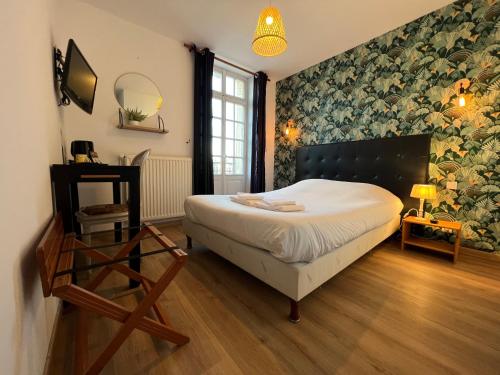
[55, 257]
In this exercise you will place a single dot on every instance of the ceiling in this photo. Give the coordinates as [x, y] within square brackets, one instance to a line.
[316, 29]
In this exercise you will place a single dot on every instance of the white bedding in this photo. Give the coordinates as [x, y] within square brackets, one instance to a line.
[335, 213]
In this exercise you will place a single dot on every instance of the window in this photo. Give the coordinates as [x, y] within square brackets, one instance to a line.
[229, 123]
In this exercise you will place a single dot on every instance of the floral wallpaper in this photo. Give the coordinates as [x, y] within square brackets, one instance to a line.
[407, 82]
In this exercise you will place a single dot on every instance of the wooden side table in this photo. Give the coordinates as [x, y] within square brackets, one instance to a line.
[65, 179]
[435, 245]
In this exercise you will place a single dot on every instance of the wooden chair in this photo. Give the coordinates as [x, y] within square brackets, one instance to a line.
[55, 255]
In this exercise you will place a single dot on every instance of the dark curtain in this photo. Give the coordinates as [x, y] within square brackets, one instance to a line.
[258, 171]
[203, 174]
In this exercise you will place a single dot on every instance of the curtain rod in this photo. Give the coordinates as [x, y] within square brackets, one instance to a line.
[191, 47]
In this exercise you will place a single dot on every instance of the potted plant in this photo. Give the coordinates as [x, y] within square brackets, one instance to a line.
[135, 116]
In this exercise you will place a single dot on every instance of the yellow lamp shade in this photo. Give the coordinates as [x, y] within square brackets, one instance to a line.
[423, 191]
[269, 38]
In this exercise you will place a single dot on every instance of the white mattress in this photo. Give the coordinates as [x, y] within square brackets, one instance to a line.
[336, 212]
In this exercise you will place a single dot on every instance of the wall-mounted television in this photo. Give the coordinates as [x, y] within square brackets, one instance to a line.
[78, 79]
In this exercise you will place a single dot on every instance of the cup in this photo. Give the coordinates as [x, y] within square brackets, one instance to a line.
[81, 158]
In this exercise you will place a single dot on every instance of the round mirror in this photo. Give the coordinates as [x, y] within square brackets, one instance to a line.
[138, 95]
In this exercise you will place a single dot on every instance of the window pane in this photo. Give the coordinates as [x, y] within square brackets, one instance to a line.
[216, 107]
[240, 113]
[217, 81]
[229, 147]
[216, 146]
[217, 165]
[240, 88]
[229, 111]
[239, 131]
[238, 148]
[229, 166]
[229, 129]
[238, 166]
[216, 127]
[229, 118]
[229, 86]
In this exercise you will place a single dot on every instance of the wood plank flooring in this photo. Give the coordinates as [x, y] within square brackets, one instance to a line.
[390, 312]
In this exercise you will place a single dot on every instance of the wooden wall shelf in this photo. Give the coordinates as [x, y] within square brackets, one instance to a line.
[143, 129]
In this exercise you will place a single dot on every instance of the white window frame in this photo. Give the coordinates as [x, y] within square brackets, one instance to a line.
[224, 98]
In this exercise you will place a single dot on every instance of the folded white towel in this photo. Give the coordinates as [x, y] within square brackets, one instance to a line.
[285, 208]
[291, 208]
[246, 202]
[249, 196]
[258, 203]
[279, 202]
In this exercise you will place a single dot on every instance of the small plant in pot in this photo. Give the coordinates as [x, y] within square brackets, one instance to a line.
[135, 116]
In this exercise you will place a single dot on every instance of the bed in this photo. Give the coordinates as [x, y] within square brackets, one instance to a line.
[354, 193]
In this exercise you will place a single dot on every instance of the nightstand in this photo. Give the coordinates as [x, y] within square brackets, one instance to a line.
[435, 245]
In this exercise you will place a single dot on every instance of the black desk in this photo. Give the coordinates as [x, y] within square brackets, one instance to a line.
[65, 178]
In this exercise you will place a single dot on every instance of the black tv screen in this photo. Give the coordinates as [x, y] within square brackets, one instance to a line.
[79, 80]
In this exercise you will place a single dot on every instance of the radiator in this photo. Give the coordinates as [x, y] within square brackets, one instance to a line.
[165, 182]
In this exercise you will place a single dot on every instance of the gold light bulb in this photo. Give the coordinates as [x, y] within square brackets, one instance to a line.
[269, 20]
[461, 98]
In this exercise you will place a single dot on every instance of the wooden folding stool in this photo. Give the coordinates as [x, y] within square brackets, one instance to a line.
[55, 256]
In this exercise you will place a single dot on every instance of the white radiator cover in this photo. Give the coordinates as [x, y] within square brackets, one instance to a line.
[166, 181]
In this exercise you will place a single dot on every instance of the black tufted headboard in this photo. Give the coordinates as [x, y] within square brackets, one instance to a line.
[392, 163]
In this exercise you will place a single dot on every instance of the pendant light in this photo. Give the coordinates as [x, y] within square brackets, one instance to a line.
[269, 38]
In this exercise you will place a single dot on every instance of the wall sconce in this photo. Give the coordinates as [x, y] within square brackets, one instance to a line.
[289, 125]
[461, 97]
[460, 86]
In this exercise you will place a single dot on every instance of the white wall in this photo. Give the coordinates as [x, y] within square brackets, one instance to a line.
[30, 141]
[31, 124]
[113, 47]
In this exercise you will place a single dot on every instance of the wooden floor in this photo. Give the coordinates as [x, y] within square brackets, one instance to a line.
[389, 312]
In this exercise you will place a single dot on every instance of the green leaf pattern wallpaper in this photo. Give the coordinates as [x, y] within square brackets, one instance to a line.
[407, 82]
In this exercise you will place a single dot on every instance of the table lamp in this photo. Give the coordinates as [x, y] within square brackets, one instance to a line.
[423, 192]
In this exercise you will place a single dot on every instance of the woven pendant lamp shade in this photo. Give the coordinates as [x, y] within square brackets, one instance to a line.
[269, 38]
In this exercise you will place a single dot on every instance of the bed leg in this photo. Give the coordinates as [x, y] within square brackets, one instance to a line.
[294, 311]
[189, 242]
